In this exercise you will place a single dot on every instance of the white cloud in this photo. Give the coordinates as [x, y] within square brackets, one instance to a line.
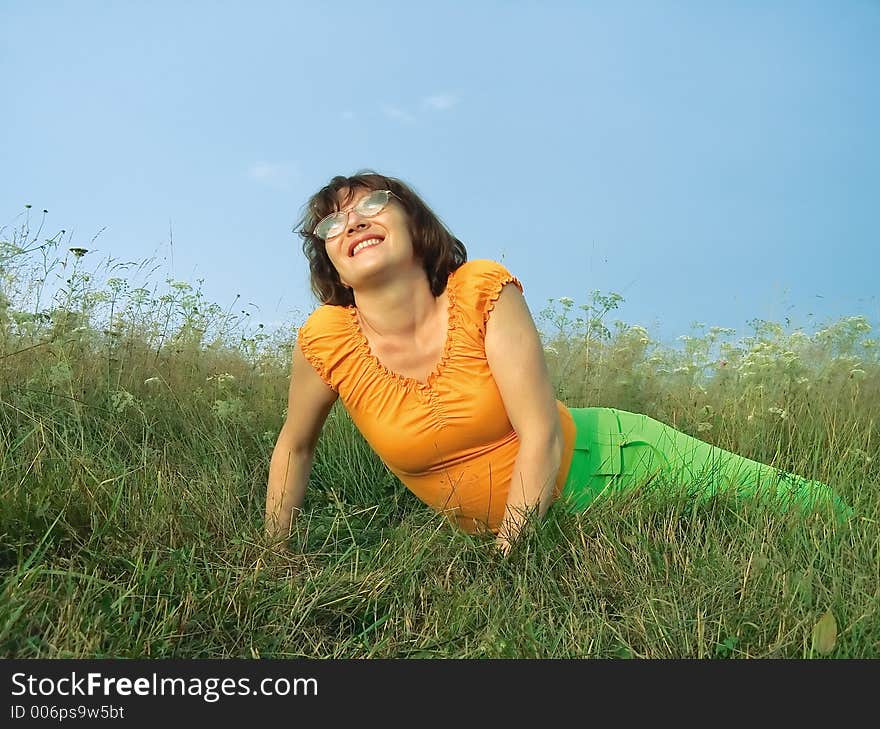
[393, 112]
[440, 102]
[435, 102]
[274, 174]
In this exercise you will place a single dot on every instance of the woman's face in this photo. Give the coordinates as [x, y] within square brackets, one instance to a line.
[357, 264]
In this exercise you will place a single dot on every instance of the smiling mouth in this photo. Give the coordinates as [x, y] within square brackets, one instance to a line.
[369, 243]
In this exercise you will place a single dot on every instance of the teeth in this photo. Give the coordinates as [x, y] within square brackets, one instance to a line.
[366, 244]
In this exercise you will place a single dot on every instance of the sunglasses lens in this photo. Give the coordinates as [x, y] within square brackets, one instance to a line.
[373, 203]
[330, 226]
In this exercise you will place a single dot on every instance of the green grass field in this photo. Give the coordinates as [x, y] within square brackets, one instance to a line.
[136, 427]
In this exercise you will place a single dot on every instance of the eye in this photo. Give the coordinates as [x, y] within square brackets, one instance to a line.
[373, 203]
[329, 225]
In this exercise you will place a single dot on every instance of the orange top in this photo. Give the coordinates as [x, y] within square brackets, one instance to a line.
[450, 440]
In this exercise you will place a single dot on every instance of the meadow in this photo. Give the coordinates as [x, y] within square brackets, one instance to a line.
[137, 421]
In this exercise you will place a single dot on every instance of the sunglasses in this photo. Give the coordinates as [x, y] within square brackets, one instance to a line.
[368, 206]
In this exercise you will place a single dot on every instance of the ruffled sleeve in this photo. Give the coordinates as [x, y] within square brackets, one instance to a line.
[479, 285]
[326, 342]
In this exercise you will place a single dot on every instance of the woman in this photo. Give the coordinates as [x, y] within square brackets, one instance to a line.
[441, 368]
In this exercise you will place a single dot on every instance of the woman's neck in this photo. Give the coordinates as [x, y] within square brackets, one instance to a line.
[399, 308]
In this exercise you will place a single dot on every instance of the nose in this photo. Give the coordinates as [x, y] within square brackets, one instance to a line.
[355, 221]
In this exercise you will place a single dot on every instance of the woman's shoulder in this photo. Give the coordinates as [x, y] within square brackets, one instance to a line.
[480, 268]
[477, 286]
[327, 340]
[328, 323]
[326, 316]
[483, 276]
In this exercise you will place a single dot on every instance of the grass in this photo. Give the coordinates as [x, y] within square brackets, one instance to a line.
[136, 426]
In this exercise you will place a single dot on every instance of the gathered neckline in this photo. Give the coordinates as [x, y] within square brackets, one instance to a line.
[363, 346]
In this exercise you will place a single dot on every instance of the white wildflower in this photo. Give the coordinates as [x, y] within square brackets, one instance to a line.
[121, 400]
[860, 452]
[639, 334]
[151, 380]
[221, 378]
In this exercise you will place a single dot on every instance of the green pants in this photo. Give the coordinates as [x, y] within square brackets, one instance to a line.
[616, 450]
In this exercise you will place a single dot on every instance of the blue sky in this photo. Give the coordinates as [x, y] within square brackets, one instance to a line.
[711, 162]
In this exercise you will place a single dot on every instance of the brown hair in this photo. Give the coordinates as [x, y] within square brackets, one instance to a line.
[440, 252]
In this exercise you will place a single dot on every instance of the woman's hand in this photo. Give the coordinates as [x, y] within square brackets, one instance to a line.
[276, 543]
[503, 544]
[511, 528]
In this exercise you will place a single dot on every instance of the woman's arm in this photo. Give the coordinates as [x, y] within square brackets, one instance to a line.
[516, 359]
[308, 402]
